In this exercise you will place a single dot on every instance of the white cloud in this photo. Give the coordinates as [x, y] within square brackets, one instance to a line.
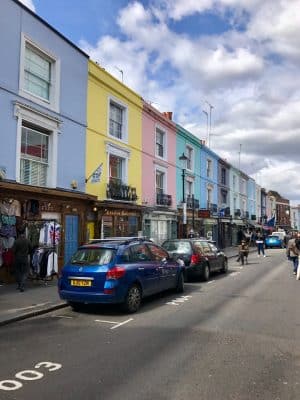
[250, 77]
[29, 4]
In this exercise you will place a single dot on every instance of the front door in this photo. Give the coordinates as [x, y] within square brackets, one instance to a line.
[71, 236]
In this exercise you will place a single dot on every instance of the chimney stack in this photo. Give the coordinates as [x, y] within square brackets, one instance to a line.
[168, 114]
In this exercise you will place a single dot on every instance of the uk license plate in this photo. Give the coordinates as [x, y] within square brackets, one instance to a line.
[80, 282]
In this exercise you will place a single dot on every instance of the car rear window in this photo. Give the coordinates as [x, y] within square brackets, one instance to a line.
[93, 256]
[178, 246]
[274, 237]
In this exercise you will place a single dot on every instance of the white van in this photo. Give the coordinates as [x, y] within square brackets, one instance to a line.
[280, 234]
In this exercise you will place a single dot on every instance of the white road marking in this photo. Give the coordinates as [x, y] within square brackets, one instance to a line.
[107, 322]
[122, 323]
[211, 281]
[61, 316]
[179, 300]
[235, 273]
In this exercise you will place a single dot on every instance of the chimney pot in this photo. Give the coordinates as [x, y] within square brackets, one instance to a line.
[168, 114]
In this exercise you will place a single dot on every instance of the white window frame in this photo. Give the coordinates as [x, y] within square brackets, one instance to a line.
[118, 152]
[190, 150]
[190, 183]
[209, 197]
[165, 143]
[39, 119]
[209, 171]
[53, 102]
[164, 171]
[124, 130]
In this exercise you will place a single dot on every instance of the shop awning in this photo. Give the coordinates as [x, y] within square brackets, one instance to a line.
[238, 222]
[64, 193]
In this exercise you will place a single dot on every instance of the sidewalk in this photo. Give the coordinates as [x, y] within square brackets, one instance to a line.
[40, 298]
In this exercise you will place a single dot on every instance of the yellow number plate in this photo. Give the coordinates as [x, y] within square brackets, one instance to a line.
[77, 282]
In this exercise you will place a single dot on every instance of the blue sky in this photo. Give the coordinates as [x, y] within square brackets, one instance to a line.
[241, 56]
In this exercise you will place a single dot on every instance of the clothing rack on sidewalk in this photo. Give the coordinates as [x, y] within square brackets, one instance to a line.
[52, 247]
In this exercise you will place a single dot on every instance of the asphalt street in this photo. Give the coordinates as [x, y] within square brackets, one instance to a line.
[235, 337]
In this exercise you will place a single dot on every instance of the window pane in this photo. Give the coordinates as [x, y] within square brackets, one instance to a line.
[115, 120]
[34, 157]
[115, 168]
[159, 143]
[37, 76]
[159, 182]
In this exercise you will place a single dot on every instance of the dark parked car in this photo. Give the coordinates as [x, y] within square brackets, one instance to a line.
[119, 270]
[200, 256]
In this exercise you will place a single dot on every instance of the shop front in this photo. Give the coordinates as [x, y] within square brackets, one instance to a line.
[160, 225]
[117, 219]
[53, 220]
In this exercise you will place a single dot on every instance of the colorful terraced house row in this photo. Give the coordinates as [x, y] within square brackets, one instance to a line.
[96, 158]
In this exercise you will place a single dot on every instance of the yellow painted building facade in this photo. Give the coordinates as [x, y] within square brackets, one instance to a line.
[114, 141]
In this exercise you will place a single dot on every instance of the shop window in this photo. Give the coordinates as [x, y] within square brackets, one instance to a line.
[132, 226]
[34, 156]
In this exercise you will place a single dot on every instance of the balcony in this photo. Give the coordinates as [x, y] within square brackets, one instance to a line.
[163, 199]
[192, 203]
[116, 190]
[212, 207]
[237, 212]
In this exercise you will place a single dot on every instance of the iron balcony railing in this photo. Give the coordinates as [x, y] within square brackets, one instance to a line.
[192, 203]
[163, 199]
[117, 190]
[212, 207]
[237, 212]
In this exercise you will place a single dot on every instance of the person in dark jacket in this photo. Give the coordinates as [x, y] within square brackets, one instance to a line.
[21, 249]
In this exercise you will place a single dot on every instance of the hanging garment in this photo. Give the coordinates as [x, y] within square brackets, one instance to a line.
[52, 265]
[50, 234]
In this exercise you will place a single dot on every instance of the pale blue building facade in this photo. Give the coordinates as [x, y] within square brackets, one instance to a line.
[43, 97]
[190, 146]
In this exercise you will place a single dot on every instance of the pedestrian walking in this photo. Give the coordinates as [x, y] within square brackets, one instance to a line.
[293, 253]
[243, 252]
[21, 250]
[260, 244]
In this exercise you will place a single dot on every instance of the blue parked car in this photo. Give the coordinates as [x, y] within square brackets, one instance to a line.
[120, 270]
[273, 241]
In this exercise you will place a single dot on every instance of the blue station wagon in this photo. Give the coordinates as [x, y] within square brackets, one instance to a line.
[120, 270]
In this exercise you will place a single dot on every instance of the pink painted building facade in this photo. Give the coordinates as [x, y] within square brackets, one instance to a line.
[159, 174]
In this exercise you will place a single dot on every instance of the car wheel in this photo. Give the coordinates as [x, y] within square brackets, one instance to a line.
[180, 283]
[206, 273]
[75, 305]
[224, 268]
[133, 299]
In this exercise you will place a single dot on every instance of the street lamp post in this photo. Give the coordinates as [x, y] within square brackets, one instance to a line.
[183, 158]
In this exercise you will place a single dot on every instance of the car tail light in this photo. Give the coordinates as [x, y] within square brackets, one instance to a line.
[116, 272]
[195, 259]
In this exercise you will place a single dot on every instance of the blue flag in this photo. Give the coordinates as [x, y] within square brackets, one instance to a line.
[271, 222]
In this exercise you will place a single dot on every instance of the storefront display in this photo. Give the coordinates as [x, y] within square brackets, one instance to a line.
[53, 220]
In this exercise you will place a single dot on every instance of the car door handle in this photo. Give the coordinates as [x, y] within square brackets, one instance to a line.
[141, 268]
